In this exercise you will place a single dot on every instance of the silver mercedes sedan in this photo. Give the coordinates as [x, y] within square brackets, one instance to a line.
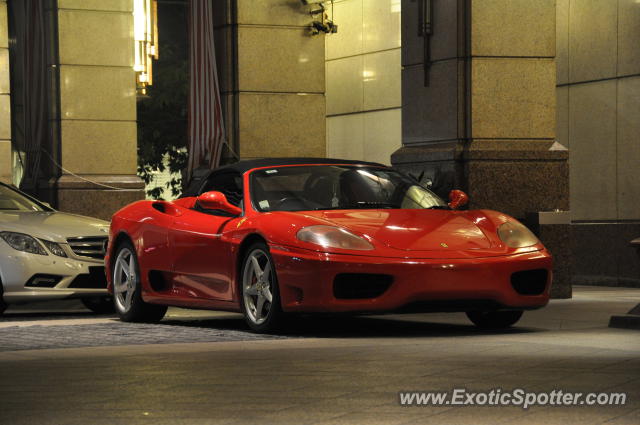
[47, 255]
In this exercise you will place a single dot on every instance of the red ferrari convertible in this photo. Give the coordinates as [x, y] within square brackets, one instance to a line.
[275, 236]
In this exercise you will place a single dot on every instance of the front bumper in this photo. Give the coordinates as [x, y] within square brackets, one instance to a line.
[76, 278]
[306, 281]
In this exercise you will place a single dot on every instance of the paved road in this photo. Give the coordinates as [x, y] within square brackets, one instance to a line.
[70, 367]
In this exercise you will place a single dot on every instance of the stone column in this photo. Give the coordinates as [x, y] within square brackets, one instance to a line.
[485, 122]
[271, 77]
[5, 104]
[97, 107]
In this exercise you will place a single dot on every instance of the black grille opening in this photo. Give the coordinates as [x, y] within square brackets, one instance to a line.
[41, 280]
[530, 282]
[89, 246]
[351, 286]
[95, 279]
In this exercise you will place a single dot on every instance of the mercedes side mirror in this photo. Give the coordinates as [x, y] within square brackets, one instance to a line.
[457, 199]
[217, 201]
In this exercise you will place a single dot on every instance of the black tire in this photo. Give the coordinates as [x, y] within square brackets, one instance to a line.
[494, 319]
[99, 305]
[274, 315]
[3, 305]
[136, 310]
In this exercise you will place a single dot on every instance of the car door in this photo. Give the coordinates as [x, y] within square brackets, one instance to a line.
[202, 258]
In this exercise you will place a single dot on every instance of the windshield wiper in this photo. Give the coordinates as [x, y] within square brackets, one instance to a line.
[375, 204]
[359, 205]
[367, 204]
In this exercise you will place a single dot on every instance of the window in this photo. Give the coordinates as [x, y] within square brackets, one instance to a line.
[323, 187]
[12, 200]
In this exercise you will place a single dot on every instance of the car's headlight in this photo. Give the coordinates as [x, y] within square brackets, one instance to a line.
[55, 248]
[333, 237]
[516, 235]
[22, 242]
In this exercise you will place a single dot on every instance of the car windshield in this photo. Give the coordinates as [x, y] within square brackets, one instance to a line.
[12, 200]
[326, 187]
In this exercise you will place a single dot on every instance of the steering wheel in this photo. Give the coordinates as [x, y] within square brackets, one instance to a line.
[289, 204]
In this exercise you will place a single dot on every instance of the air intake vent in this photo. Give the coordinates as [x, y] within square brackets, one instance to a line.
[89, 246]
[41, 280]
[360, 285]
[94, 280]
[530, 282]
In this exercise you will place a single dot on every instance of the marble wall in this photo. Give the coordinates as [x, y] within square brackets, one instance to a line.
[489, 104]
[97, 115]
[272, 77]
[598, 77]
[598, 92]
[363, 84]
[97, 87]
[5, 104]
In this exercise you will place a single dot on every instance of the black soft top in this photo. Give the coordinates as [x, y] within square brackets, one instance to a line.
[244, 166]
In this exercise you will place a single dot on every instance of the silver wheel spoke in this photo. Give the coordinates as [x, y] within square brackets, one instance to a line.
[267, 294]
[124, 267]
[257, 270]
[259, 307]
[266, 274]
[251, 290]
[132, 269]
[127, 301]
[119, 288]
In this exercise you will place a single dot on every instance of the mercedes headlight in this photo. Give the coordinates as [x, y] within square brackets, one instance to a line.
[333, 237]
[22, 242]
[54, 248]
[516, 235]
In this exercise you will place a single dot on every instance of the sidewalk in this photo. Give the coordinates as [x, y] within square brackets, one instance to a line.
[337, 371]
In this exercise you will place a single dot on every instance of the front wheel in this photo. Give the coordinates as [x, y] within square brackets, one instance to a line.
[127, 293]
[99, 305]
[260, 293]
[494, 319]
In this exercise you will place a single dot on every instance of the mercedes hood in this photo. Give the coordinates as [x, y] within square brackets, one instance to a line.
[52, 225]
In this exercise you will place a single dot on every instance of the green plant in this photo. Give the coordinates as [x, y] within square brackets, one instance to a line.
[162, 113]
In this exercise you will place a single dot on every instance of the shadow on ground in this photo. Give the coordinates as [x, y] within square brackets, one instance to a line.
[219, 326]
[37, 316]
[320, 326]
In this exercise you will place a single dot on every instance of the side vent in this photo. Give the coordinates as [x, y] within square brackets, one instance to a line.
[157, 281]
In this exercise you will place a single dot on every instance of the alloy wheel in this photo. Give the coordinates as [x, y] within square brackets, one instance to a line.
[124, 280]
[257, 286]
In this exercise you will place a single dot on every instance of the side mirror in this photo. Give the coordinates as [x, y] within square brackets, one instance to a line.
[457, 199]
[217, 201]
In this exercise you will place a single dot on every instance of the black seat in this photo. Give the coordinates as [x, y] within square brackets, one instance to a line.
[319, 189]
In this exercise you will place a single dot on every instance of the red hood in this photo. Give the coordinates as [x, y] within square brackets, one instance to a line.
[411, 229]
